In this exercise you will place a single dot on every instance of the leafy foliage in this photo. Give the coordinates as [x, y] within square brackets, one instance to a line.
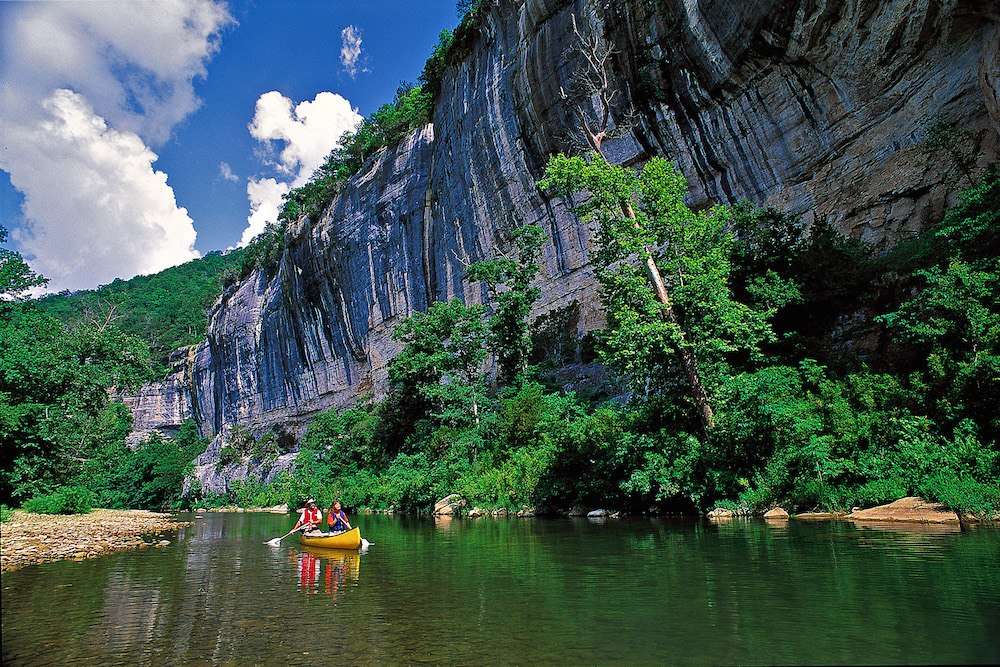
[66, 500]
[692, 251]
[167, 309]
[509, 283]
[16, 276]
[441, 363]
[151, 476]
[54, 384]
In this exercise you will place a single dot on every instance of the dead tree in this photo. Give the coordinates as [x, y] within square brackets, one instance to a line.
[592, 82]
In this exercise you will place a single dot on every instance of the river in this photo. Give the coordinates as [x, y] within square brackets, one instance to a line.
[519, 592]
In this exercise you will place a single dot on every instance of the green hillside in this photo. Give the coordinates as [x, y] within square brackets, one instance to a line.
[166, 309]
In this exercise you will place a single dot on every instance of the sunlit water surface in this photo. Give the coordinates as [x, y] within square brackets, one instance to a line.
[519, 591]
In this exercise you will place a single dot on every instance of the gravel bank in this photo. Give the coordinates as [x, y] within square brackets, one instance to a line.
[29, 539]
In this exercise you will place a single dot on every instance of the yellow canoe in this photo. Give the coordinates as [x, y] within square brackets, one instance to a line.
[348, 539]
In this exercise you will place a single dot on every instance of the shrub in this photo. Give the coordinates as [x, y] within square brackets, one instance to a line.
[66, 500]
[963, 494]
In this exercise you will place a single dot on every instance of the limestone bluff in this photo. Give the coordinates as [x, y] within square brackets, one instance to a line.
[815, 107]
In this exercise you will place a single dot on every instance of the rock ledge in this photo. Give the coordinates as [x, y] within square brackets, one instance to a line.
[911, 508]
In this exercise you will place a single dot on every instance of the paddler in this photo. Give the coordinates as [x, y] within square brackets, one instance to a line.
[309, 519]
[336, 519]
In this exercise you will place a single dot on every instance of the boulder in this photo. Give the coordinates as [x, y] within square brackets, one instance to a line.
[819, 516]
[776, 513]
[449, 504]
[721, 513]
[910, 508]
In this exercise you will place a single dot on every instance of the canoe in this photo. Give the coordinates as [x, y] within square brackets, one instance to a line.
[349, 539]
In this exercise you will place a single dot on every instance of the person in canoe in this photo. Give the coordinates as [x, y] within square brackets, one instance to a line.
[336, 519]
[309, 519]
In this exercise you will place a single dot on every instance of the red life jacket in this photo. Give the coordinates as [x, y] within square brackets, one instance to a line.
[312, 515]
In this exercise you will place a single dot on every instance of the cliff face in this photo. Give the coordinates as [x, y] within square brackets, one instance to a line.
[816, 107]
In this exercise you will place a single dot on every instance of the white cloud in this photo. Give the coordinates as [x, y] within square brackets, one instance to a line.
[227, 172]
[134, 61]
[350, 50]
[87, 86]
[308, 131]
[265, 203]
[112, 215]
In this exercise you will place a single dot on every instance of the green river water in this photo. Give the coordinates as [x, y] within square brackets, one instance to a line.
[519, 592]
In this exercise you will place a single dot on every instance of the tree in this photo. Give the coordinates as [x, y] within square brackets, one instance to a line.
[441, 362]
[16, 276]
[54, 387]
[508, 281]
[650, 332]
[593, 82]
[955, 321]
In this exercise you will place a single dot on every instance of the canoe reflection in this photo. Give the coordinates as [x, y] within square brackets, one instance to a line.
[326, 570]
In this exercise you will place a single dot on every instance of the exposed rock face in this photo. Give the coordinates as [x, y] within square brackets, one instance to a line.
[817, 107]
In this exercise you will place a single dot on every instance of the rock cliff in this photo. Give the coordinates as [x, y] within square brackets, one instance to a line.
[817, 107]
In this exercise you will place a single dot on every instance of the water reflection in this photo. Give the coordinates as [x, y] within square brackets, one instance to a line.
[326, 570]
[520, 591]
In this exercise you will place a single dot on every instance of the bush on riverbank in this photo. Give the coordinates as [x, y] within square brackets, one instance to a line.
[67, 500]
[797, 423]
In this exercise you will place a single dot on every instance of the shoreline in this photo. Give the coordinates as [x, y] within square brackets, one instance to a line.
[32, 539]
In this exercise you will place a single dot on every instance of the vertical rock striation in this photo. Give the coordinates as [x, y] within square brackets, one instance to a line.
[817, 107]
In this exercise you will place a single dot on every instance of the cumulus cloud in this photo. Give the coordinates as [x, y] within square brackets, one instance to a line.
[112, 215]
[309, 130]
[134, 61]
[307, 133]
[265, 203]
[350, 50]
[88, 86]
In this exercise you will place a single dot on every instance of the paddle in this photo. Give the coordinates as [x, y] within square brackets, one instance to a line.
[276, 541]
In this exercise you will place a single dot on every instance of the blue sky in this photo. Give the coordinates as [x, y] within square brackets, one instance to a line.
[237, 101]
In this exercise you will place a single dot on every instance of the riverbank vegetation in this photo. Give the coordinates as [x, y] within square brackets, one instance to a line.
[769, 309]
[799, 419]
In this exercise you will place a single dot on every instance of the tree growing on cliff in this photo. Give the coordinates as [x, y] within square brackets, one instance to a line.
[649, 332]
[509, 282]
[593, 82]
[440, 364]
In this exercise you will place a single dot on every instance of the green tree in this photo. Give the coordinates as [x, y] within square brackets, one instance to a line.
[593, 81]
[509, 282]
[955, 322]
[645, 236]
[441, 361]
[16, 276]
[55, 383]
